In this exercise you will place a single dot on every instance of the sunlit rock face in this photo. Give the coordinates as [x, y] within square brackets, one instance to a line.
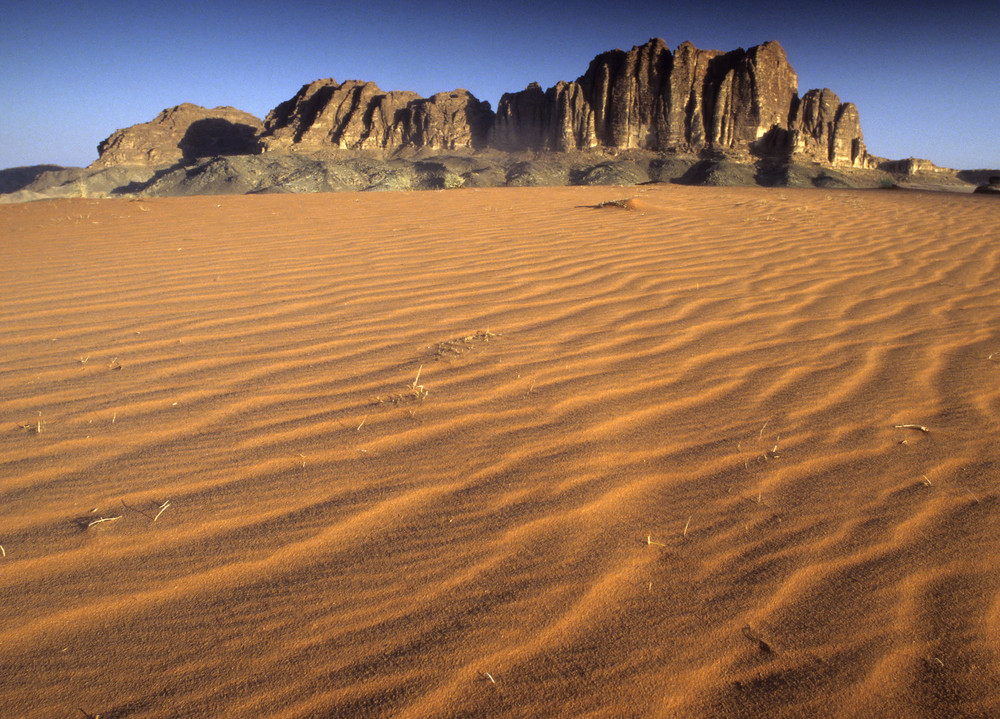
[687, 100]
[649, 98]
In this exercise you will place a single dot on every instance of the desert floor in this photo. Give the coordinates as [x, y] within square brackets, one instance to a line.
[724, 452]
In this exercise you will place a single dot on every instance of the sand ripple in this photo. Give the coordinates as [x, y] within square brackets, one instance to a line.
[501, 453]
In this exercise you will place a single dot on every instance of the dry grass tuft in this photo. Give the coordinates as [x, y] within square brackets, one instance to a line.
[458, 346]
[416, 393]
[33, 427]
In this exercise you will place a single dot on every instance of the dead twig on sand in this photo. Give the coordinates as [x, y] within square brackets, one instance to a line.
[136, 509]
[163, 508]
[417, 392]
[918, 427]
[649, 540]
[100, 520]
[754, 637]
[33, 427]
[416, 389]
[969, 492]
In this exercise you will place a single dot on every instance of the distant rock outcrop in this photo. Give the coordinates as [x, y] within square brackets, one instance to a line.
[827, 130]
[652, 99]
[689, 100]
[181, 133]
[738, 103]
[910, 166]
[359, 116]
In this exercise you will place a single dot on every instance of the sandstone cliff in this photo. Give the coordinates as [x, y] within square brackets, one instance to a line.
[740, 103]
[181, 133]
[688, 100]
[359, 116]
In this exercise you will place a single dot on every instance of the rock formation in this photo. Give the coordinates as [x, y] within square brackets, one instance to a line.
[689, 100]
[181, 133]
[359, 116]
[992, 187]
[827, 130]
[910, 166]
[738, 103]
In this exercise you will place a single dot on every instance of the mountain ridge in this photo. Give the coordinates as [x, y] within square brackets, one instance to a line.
[650, 114]
[649, 98]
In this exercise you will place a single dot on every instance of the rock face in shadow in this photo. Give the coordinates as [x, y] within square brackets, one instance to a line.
[181, 133]
[359, 116]
[991, 187]
[16, 178]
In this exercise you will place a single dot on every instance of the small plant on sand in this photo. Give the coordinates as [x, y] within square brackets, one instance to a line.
[33, 427]
[418, 389]
[416, 393]
[453, 348]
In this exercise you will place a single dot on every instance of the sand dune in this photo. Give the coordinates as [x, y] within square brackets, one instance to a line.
[508, 452]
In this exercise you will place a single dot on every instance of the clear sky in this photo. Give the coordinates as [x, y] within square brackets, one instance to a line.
[925, 76]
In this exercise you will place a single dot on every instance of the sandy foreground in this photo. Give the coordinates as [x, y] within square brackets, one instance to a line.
[501, 453]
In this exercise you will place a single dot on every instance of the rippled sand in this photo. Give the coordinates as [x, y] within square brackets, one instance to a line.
[501, 453]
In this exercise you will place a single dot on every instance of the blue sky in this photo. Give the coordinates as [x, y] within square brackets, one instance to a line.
[923, 75]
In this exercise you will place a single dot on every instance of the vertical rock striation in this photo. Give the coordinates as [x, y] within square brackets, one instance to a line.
[827, 130]
[649, 98]
[688, 100]
[359, 116]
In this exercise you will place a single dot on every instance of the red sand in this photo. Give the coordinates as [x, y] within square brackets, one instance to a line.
[654, 468]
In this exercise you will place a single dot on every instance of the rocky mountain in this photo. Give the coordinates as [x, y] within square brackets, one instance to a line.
[685, 116]
[689, 100]
[181, 133]
[649, 98]
[359, 116]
